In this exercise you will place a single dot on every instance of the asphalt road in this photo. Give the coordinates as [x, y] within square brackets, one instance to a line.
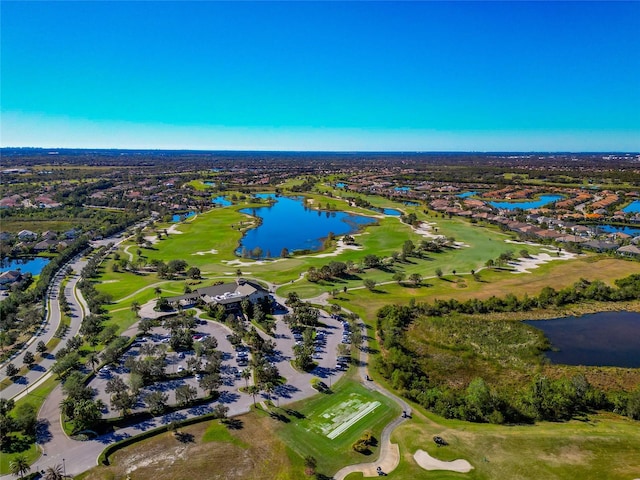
[38, 371]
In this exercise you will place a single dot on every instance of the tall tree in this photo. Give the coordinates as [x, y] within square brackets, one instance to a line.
[19, 465]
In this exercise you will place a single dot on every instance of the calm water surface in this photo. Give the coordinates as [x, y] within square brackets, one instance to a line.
[599, 339]
[529, 204]
[467, 194]
[26, 265]
[220, 200]
[615, 229]
[178, 218]
[633, 207]
[289, 224]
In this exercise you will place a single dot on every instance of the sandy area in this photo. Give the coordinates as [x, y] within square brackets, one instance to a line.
[213, 251]
[426, 230]
[523, 265]
[174, 229]
[153, 239]
[340, 247]
[427, 462]
[249, 263]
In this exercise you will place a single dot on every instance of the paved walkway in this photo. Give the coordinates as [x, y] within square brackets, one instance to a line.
[389, 457]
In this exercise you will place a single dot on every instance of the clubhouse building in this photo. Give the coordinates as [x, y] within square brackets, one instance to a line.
[229, 295]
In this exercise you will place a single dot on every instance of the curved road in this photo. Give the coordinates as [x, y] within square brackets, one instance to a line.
[39, 371]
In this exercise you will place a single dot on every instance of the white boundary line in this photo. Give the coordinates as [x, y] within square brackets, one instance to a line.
[344, 426]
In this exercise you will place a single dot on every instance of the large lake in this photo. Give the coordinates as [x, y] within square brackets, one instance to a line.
[26, 265]
[528, 204]
[289, 224]
[599, 339]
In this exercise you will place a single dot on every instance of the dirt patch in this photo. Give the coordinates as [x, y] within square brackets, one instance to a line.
[258, 453]
[569, 454]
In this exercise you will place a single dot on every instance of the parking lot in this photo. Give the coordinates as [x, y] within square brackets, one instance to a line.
[234, 360]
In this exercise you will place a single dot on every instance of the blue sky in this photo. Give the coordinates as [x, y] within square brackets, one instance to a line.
[322, 76]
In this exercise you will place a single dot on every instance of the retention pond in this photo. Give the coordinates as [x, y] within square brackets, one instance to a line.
[599, 339]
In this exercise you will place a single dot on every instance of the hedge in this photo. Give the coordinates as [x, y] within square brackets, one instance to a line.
[103, 458]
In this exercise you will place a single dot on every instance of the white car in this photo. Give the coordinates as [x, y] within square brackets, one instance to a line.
[180, 369]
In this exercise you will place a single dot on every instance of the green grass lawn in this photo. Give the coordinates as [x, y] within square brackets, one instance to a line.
[603, 447]
[305, 435]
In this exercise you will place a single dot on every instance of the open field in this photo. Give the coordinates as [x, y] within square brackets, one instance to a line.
[15, 225]
[207, 451]
[333, 422]
[603, 447]
[492, 282]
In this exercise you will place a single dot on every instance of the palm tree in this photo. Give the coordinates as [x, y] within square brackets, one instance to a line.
[93, 360]
[157, 291]
[253, 390]
[246, 374]
[135, 307]
[55, 472]
[19, 466]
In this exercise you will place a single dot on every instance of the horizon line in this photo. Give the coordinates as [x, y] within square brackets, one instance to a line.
[151, 149]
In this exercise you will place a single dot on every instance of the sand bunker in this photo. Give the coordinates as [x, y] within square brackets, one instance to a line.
[249, 263]
[213, 251]
[340, 247]
[427, 462]
[174, 229]
[426, 230]
[523, 265]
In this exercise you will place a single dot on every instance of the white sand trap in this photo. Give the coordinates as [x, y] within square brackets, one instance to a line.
[523, 265]
[213, 251]
[427, 462]
[340, 247]
[174, 229]
[110, 281]
[241, 263]
[426, 230]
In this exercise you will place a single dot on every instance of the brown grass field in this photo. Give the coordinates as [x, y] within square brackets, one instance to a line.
[206, 451]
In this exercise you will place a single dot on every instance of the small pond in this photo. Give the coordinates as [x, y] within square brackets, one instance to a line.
[288, 223]
[467, 194]
[599, 339]
[391, 211]
[616, 229]
[387, 211]
[341, 185]
[411, 204]
[26, 265]
[184, 216]
[528, 204]
[210, 184]
[633, 207]
[220, 200]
